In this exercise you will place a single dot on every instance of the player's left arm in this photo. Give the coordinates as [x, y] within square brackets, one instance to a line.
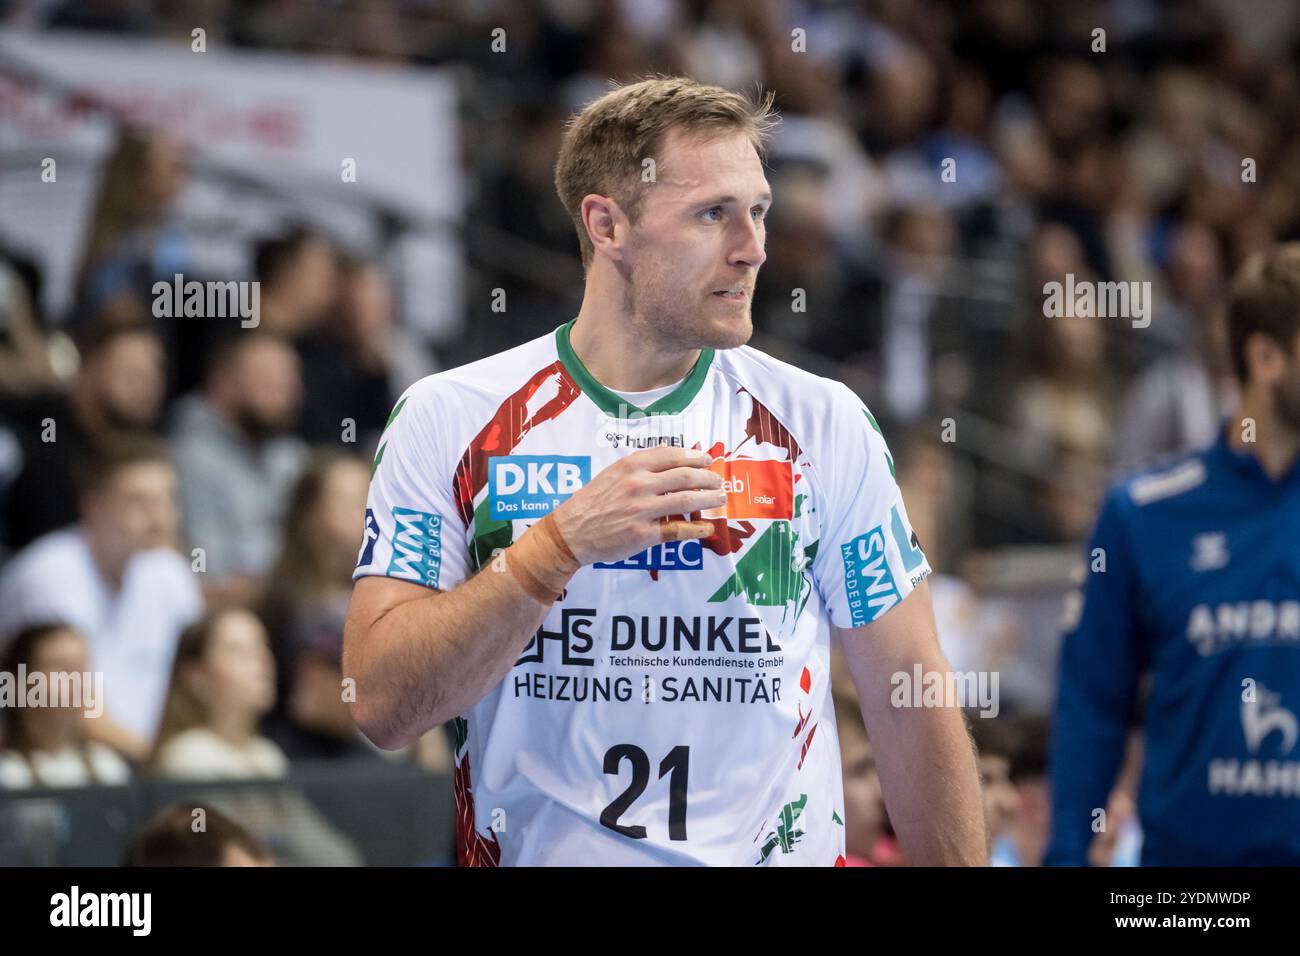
[927, 764]
[871, 573]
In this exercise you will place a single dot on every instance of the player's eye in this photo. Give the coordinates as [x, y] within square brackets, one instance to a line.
[708, 214]
[759, 213]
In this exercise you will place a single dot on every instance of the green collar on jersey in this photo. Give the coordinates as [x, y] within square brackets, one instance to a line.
[610, 403]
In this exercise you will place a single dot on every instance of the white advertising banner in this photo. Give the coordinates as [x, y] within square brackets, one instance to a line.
[318, 131]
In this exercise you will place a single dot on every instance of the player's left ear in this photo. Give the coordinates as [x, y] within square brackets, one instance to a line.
[606, 225]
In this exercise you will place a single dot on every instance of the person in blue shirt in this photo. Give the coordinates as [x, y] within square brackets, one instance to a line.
[1193, 584]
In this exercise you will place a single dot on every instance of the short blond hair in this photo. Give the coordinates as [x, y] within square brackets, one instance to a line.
[605, 145]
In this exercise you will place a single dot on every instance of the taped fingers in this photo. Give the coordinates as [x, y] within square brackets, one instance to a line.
[685, 530]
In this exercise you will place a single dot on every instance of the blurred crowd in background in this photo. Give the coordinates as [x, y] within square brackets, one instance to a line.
[192, 529]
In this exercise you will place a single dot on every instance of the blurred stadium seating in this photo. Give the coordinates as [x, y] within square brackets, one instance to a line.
[920, 293]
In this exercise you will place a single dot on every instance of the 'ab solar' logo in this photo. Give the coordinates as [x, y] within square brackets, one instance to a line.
[529, 486]
[417, 547]
[756, 489]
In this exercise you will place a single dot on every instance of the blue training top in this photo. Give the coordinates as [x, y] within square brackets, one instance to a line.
[1200, 589]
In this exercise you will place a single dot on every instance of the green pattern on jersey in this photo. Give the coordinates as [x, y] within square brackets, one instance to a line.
[871, 418]
[613, 404]
[787, 831]
[489, 534]
[379, 455]
[765, 575]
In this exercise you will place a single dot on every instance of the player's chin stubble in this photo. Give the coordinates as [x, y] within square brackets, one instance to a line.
[662, 311]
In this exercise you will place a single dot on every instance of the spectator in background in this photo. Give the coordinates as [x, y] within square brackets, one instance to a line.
[894, 326]
[117, 391]
[359, 363]
[802, 255]
[296, 285]
[223, 683]
[298, 276]
[976, 631]
[133, 239]
[1177, 404]
[237, 461]
[1063, 407]
[1179, 400]
[192, 834]
[869, 838]
[306, 604]
[995, 740]
[116, 577]
[24, 360]
[49, 746]
[1033, 823]
[864, 804]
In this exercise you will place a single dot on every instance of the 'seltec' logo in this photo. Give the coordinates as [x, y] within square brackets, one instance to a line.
[669, 556]
[529, 486]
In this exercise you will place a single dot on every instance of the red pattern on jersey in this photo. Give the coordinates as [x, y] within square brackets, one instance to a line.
[471, 848]
[806, 744]
[764, 428]
[803, 722]
[503, 431]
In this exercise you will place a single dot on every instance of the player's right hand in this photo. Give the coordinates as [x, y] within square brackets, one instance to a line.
[619, 513]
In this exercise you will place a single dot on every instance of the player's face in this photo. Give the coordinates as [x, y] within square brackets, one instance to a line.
[695, 251]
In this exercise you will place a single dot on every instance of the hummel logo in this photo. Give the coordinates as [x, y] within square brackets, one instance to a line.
[1209, 551]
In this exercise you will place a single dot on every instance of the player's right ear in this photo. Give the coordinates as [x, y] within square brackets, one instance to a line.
[606, 225]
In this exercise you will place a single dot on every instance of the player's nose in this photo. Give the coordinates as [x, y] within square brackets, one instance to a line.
[749, 250]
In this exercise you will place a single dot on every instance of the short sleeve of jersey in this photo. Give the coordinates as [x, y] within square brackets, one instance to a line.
[867, 559]
[413, 529]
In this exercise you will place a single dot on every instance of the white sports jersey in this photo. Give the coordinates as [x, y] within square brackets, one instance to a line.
[674, 707]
